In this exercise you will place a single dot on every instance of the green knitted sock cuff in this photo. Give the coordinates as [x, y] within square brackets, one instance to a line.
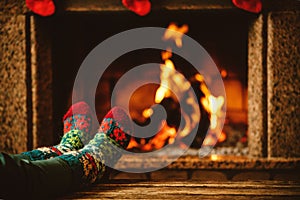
[72, 140]
[104, 150]
[43, 153]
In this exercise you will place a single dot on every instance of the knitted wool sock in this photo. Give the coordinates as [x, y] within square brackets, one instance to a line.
[77, 125]
[88, 164]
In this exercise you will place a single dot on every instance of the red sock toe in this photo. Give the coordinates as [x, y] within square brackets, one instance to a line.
[78, 108]
[79, 117]
[121, 117]
[117, 125]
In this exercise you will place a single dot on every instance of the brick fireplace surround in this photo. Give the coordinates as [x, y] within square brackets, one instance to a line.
[273, 89]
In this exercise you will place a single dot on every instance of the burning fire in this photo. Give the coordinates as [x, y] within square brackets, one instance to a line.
[175, 33]
[174, 83]
[168, 71]
[212, 105]
[165, 135]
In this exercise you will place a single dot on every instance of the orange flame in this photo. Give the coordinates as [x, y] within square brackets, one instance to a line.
[222, 137]
[147, 112]
[212, 105]
[172, 80]
[175, 33]
[166, 134]
[176, 82]
[167, 71]
[166, 54]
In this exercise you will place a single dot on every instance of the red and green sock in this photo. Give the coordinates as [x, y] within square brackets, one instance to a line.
[77, 132]
[88, 163]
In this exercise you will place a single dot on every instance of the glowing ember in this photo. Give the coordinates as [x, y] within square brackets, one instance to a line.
[214, 157]
[222, 137]
[209, 139]
[224, 73]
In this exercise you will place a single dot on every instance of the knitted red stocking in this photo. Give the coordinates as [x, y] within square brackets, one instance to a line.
[77, 128]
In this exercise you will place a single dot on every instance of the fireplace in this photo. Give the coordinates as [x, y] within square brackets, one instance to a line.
[257, 55]
[74, 35]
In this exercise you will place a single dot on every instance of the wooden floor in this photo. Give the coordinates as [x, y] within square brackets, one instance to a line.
[190, 190]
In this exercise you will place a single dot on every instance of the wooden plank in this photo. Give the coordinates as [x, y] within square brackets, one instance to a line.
[190, 190]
